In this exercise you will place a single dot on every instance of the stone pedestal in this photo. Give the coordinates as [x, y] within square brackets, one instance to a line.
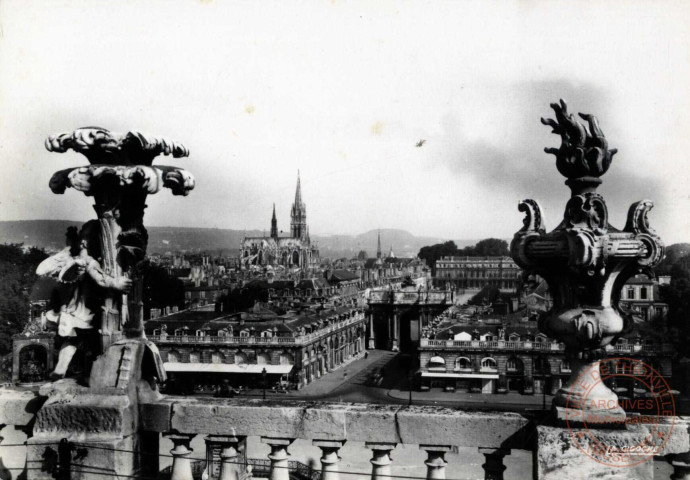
[576, 418]
[570, 453]
[101, 422]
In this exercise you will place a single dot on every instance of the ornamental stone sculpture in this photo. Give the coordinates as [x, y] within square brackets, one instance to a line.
[585, 261]
[119, 178]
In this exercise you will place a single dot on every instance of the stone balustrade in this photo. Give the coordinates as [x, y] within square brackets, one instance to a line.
[277, 340]
[411, 298]
[490, 345]
[526, 345]
[328, 426]
[225, 423]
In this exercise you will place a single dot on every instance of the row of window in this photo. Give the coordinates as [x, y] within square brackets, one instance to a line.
[239, 358]
[482, 274]
[512, 365]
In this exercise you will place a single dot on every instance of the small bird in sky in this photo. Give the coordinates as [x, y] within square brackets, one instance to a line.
[420, 143]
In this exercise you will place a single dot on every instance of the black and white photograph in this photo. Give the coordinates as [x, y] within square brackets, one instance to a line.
[342, 240]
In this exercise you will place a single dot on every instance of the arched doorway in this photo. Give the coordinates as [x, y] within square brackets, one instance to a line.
[295, 258]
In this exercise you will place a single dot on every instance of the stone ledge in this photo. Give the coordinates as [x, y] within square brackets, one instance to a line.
[329, 421]
[19, 407]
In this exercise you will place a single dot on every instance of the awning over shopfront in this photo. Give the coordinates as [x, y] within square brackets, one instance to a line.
[487, 376]
[226, 368]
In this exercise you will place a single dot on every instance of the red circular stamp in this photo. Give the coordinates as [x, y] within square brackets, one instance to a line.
[625, 429]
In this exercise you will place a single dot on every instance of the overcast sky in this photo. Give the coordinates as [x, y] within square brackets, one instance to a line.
[343, 91]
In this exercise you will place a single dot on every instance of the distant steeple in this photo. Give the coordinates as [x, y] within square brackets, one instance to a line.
[391, 254]
[298, 192]
[378, 248]
[298, 216]
[274, 223]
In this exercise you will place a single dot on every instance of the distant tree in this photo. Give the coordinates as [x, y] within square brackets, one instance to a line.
[362, 255]
[673, 253]
[677, 296]
[161, 290]
[434, 252]
[18, 274]
[491, 247]
[488, 294]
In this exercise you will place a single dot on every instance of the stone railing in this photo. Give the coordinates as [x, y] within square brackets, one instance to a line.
[224, 424]
[277, 340]
[542, 346]
[491, 345]
[410, 298]
[381, 428]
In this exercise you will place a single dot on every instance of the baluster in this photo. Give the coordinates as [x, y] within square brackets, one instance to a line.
[494, 468]
[182, 464]
[279, 457]
[329, 457]
[381, 460]
[436, 463]
[681, 466]
[229, 453]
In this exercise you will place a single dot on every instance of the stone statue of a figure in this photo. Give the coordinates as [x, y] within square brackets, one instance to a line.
[79, 293]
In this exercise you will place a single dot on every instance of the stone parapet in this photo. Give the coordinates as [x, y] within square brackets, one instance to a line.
[19, 407]
[354, 422]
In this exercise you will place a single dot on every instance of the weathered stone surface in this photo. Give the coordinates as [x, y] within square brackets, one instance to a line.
[326, 422]
[18, 407]
[434, 425]
[323, 421]
[372, 423]
[156, 416]
[559, 457]
[252, 417]
[85, 413]
[677, 431]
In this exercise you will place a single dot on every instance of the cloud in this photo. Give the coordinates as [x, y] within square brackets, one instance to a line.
[512, 160]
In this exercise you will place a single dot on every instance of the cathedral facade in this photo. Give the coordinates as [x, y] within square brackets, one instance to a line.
[289, 252]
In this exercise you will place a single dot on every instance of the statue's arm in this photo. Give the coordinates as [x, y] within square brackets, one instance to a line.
[121, 284]
[53, 264]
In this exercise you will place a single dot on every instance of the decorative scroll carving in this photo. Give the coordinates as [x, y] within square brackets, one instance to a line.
[534, 219]
[583, 152]
[148, 179]
[637, 218]
[100, 145]
[587, 211]
[638, 224]
[583, 248]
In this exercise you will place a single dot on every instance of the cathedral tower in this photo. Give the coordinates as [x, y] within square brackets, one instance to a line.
[298, 216]
[274, 223]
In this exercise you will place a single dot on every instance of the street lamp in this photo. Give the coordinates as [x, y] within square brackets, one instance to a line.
[263, 375]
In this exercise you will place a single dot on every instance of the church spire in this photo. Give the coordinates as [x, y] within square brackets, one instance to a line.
[274, 223]
[298, 192]
[298, 217]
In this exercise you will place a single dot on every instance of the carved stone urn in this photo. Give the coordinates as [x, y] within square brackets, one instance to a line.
[585, 262]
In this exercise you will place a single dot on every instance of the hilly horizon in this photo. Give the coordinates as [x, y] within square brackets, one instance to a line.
[50, 234]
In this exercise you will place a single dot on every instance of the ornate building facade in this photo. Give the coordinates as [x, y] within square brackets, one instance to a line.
[477, 272]
[289, 252]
